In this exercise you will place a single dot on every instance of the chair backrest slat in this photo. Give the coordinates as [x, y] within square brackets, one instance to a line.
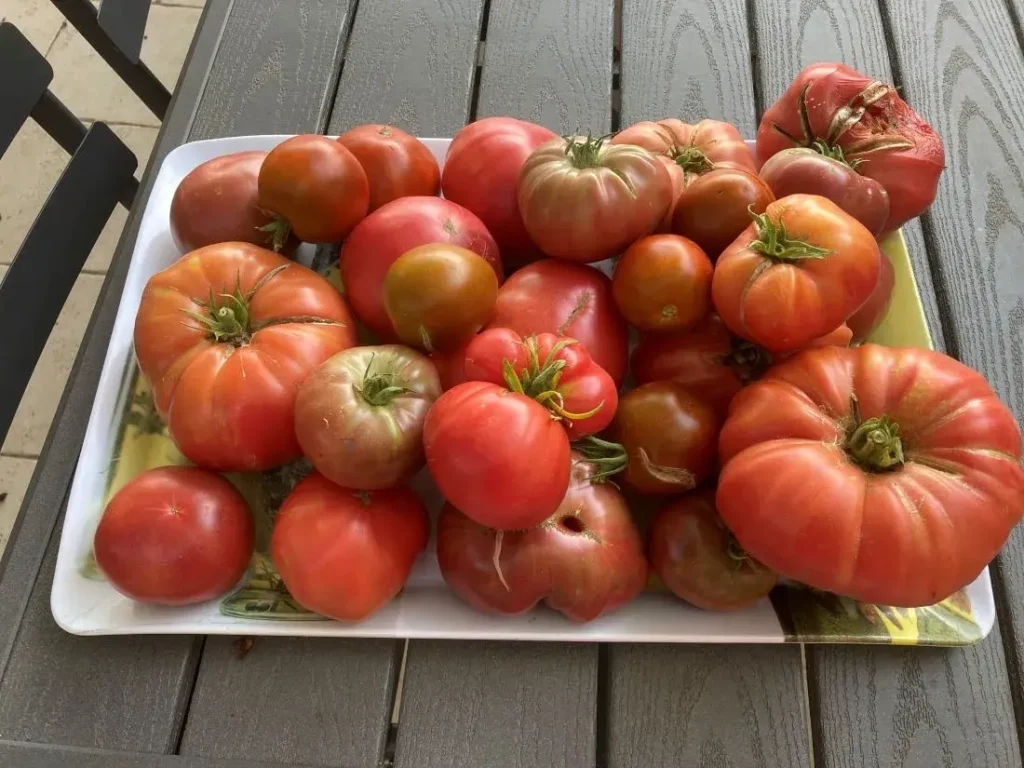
[24, 78]
[124, 21]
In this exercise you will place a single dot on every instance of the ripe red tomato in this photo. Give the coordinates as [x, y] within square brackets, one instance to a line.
[698, 559]
[344, 553]
[889, 475]
[481, 172]
[225, 374]
[555, 371]
[497, 455]
[872, 312]
[585, 560]
[317, 188]
[567, 300]
[584, 200]
[396, 164]
[450, 365]
[392, 230]
[796, 273]
[839, 107]
[678, 178]
[175, 536]
[696, 149]
[663, 283]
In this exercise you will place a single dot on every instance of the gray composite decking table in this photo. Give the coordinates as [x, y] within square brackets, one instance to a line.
[430, 66]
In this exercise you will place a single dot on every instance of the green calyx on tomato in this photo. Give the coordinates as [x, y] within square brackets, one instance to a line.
[875, 444]
[279, 229]
[834, 152]
[605, 458]
[226, 315]
[540, 380]
[774, 242]
[693, 161]
[380, 387]
[584, 154]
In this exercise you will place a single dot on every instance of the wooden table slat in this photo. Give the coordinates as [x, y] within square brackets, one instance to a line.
[25, 755]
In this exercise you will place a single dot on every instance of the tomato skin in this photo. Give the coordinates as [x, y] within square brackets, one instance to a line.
[900, 149]
[677, 177]
[227, 407]
[663, 283]
[586, 208]
[497, 455]
[715, 208]
[586, 560]
[872, 312]
[396, 164]
[572, 300]
[696, 149]
[690, 551]
[481, 172]
[908, 535]
[783, 305]
[317, 185]
[451, 365]
[392, 230]
[175, 536]
[344, 554]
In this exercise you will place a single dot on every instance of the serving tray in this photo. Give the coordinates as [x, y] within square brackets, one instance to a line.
[125, 436]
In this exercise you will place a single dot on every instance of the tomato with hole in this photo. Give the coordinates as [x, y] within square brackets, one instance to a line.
[698, 559]
[225, 336]
[568, 300]
[832, 107]
[343, 553]
[796, 273]
[715, 208]
[584, 561]
[872, 312]
[669, 435]
[316, 187]
[583, 199]
[557, 372]
[359, 416]
[889, 475]
[663, 283]
[396, 164]
[696, 149]
[481, 172]
[175, 536]
[497, 455]
[394, 229]
[439, 295]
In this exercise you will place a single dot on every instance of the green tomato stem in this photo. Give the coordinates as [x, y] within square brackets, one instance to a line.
[775, 243]
[607, 458]
[692, 160]
[875, 444]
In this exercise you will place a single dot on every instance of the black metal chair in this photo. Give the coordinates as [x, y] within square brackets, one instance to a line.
[99, 175]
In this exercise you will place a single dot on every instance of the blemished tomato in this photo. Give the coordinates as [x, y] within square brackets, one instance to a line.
[669, 436]
[497, 455]
[317, 188]
[344, 553]
[663, 283]
[555, 371]
[795, 274]
[439, 295]
[872, 312]
[568, 300]
[225, 336]
[585, 561]
[481, 172]
[715, 208]
[698, 559]
[175, 536]
[831, 106]
[359, 416]
[583, 199]
[396, 164]
[696, 149]
[392, 230]
[889, 475]
[801, 170]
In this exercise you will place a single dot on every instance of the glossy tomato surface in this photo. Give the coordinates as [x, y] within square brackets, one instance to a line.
[872, 312]
[396, 164]
[695, 149]
[889, 475]
[451, 365]
[175, 536]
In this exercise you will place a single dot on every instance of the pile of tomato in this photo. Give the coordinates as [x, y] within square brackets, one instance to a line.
[777, 443]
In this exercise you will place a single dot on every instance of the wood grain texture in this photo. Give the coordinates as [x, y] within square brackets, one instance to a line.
[706, 706]
[24, 755]
[307, 700]
[549, 62]
[687, 59]
[514, 705]
[410, 64]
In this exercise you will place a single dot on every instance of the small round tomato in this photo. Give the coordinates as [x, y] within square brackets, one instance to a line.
[317, 188]
[698, 559]
[396, 164]
[439, 295]
[663, 283]
[872, 312]
[669, 436]
[715, 208]
[497, 455]
[359, 416]
[344, 553]
[175, 536]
